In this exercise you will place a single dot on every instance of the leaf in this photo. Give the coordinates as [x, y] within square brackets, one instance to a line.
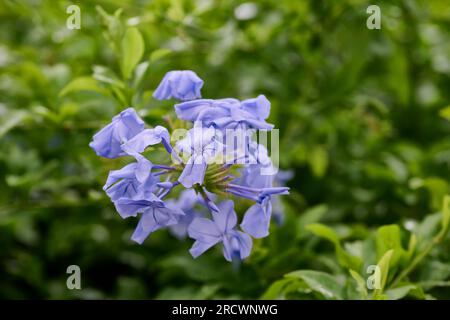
[428, 228]
[275, 290]
[388, 237]
[11, 120]
[437, 188]
[320, 282]
[445, 216]
[310, 216]
[445, 113]
[345, 259]
[318, 161]
[383, 264]
[411, 246]
[140, 72]
[159, 54]
[399, 292]
[82, 84]
[114, 26]
[361, 283]
[106, 75]
[132, 51]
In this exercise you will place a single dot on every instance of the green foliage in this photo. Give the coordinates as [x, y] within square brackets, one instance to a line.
[345, 259]
[132, 51]
[364, 125]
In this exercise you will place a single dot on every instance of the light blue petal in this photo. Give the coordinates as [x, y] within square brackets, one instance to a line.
[199, 247]
[256, 220]
[193, 172]
[226, 218]
[204, 230]
[182, 85]
[107, 142]
[259, 107]
[237, 245]
[142, 140]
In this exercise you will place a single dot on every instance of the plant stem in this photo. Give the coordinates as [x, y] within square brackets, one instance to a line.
[436, 240]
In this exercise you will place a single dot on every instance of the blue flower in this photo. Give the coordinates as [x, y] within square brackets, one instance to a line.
[182, 85]
[227, 113]
[130, 181]
[155, 214]
[154, 218]
[280, 179]
[200, 147]
[130, 207]
[207, 233]
[256, 220]
[108, 141]
[259, 171]
[205, 110]
[186, 202]
[223, 130]
[147, 137]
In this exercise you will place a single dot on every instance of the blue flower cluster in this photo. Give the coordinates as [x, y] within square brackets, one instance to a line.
[207, 165]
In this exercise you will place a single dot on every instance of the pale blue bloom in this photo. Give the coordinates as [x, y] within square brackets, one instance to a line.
[186, 201]
[207, 233]
[155, 214]
[259, 171]
[227, 113]
[137, 188]
[145, 138]
[256, 220]
[130, 181]
[205, 110]
[182, 85]
[108, 141]
[155, 217]
[200, 147]
[278, 209]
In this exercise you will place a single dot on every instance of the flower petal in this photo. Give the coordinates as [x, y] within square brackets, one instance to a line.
[256, 220]
[237, 245]
[226, 218]
[193, 172]
[204, 230]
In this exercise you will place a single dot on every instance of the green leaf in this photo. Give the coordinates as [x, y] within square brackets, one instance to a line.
[318, 161]
[445, 216]
[159, 54]
[310, 216]
[428, 228]
[383, 264]
[320, 282]
[399, 292]
[107, 76]
[132, 51]
[437, 188]
[345, 259]
[388, 237]
[140, 72]
[82, 84]
[411, 246]
[445, 113]
[361, 283]
[114, 26]
[275, 290]
[11, 120]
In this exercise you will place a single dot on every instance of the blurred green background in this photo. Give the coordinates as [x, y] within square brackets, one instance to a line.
[364, 125]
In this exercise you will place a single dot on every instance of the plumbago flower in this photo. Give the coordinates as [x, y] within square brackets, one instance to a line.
[181, 85]
[215, 163]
